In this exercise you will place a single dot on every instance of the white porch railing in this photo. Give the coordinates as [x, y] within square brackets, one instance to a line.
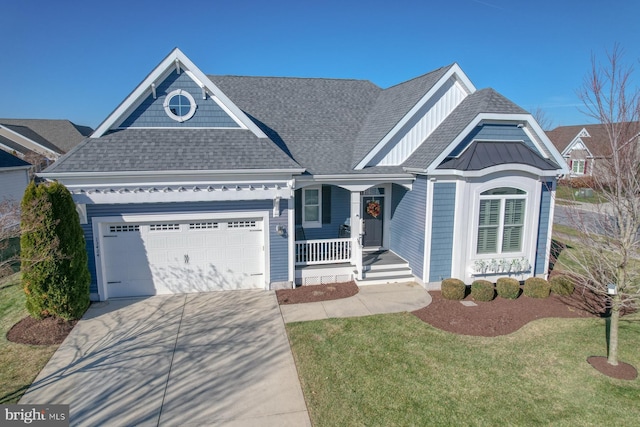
[326, 251]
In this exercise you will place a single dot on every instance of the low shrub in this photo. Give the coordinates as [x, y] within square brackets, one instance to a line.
[536, 287]
[482, 290]
[454, 289]
[562, 285]
[508, 287]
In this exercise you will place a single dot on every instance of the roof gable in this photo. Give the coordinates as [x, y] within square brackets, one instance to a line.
[406, 114]
[178, 73]
[594, 137]
[484, 107]
[63, 134]
[23, 139]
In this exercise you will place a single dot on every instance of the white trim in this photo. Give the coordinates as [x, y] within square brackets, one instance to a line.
[552, 207]
[454, 71]
[519, 167]
[192, 105]
[572, 146]
[530, 226]
[489, 118]
[175, 57]
[125, 176]
[291, 240]
[55, 154]
[312, 224]
[98, 222]
[426, 268]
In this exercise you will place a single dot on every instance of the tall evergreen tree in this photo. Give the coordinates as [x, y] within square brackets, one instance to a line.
[55, 275]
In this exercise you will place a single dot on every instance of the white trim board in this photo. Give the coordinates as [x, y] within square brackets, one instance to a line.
[179, 59]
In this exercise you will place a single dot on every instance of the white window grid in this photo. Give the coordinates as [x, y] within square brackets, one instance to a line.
[242, 224]
[123, 228]
[203, 226]
[164, 227]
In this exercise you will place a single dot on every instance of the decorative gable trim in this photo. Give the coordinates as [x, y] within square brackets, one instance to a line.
[461, 80]
[578, 144]
[539, 138]
[180, 61]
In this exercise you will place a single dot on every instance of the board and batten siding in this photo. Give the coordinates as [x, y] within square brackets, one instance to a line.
[278, 246]
[543, 227]
[425, 121]
[151, 112]
[495, 132]
[407, 223]
[442, 227]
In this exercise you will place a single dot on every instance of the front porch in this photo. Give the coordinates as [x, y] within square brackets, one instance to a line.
[379, 267]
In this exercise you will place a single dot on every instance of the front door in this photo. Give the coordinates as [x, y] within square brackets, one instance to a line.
[373, 208]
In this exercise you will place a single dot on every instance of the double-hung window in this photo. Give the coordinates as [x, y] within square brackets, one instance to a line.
[501, 221]
[577, 167]
[312, 207]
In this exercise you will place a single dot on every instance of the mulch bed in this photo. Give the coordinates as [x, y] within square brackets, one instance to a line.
[498, 317]
[47, 331]
[315, 293]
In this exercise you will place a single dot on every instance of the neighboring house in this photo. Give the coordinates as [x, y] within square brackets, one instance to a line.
[40, 140]
[584, 147]
[14, 177]
[200, 182]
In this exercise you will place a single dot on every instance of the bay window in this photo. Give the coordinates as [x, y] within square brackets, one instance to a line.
[501, 221]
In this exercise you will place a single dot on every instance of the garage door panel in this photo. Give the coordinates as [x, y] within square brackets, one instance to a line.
[177, 257]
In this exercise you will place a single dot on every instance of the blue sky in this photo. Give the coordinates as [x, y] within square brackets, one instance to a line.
[78, 60]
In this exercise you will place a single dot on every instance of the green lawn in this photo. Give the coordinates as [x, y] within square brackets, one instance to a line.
[19, 364]
[395, 370]
[566, 194]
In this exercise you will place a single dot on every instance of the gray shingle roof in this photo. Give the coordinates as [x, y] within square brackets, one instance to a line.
[483, 154]
[390, 107]
[10, 161]
[481, 101]
[174, 149]
[322, 125]
[32, 135]
[315, 120]
[598, 143]
[63, 135]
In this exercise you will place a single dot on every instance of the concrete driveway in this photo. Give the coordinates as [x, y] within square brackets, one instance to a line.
[219, 358]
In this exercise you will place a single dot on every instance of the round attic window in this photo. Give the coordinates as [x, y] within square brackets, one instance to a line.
[180, 105]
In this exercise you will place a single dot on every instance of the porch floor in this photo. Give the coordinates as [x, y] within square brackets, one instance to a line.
[381, 257]
[369, 258]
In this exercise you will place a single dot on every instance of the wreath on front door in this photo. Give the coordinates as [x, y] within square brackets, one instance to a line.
[373, 208]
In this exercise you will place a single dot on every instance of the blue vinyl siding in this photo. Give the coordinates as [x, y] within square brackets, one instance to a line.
[543, 227]
[278, 246]
[151, 112]
[407, 223]
[495, 132]
[443, 216]
[340, 211]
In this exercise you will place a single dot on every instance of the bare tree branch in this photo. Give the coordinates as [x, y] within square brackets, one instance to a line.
[609, 243]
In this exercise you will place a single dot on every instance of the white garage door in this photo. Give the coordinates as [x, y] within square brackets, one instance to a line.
[182, 256]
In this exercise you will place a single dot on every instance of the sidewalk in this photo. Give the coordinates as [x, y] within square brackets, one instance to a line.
[372, 299]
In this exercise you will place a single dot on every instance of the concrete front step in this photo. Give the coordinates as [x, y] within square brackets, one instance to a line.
[385, 280]
[390, 271]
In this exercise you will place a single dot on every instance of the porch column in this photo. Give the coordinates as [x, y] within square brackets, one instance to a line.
[356, 230]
